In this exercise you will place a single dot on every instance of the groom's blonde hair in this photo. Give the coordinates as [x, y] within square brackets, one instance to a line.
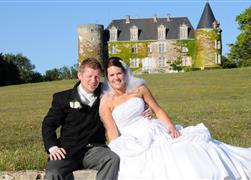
[91, 63]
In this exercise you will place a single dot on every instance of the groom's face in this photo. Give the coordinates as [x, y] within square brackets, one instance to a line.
[89, 79]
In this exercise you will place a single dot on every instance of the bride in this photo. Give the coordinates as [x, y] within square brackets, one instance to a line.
[156, 149]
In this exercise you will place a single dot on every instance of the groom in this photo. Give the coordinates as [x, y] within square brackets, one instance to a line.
[81, 144]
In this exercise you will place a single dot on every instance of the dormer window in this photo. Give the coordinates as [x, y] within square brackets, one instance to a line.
[183, 31]
[113, 33]
[161, 32]
[134, 33]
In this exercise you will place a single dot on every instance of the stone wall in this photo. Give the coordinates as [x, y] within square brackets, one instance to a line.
[39, 175]
[90, 41]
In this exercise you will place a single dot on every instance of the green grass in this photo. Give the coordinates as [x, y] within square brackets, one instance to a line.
[221, 99]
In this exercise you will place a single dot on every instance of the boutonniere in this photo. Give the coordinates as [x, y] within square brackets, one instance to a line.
[75, 104]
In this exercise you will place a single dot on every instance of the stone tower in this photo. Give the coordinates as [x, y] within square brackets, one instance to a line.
[90, 42]
[208, 41]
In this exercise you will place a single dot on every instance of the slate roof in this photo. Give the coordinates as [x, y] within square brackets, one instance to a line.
[148, 29]
[207, 18]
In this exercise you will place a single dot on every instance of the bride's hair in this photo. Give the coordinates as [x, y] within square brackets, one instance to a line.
[115, 61]
[131, 82]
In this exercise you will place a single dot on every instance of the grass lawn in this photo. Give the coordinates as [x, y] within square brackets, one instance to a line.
[221, 99]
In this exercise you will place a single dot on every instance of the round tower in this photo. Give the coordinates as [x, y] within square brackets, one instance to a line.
[90, 42]
[208, 41]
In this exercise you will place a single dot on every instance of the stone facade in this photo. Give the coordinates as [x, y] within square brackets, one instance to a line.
[208, 48]
[153, 44]
[39, 175]
[90, 41]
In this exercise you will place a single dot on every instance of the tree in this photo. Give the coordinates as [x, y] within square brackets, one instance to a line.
[74, 70]
[51, 75]
[37, 77]
[23, 65]
[9, 73]
[240, 51]
[65, 73]
[227, 63]
[177, 65]
[61, 73]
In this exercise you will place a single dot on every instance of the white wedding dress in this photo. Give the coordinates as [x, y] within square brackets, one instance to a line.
[148, 152]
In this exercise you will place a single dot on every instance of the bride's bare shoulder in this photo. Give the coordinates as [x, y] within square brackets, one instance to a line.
[106, 100]
[142, 88]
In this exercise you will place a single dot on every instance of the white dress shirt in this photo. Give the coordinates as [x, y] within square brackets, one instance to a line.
[86, 98]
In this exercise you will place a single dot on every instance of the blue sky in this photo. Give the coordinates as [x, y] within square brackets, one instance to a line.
[46, 31]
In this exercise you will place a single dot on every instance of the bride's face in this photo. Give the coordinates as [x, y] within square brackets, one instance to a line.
[116, 77]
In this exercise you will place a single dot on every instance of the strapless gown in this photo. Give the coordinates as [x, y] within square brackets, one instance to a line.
[147, 152]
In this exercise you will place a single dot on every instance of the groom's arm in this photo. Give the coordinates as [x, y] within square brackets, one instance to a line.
[51, 122]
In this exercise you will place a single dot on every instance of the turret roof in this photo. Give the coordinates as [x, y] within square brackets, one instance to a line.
[207, 18]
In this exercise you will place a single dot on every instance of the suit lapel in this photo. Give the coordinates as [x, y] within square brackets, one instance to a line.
[75, 95]
[97, 93]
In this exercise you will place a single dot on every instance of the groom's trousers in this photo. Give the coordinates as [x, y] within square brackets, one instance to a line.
[98, 158]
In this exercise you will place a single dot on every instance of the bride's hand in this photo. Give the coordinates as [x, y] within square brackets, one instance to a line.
[174, 132]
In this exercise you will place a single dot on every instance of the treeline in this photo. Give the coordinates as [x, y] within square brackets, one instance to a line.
[240, 51]
[17, 69]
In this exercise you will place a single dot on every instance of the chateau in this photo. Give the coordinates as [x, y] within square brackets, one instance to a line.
[153, 44]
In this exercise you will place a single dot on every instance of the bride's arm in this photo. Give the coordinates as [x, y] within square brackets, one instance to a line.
[160, 113]
[105, 111]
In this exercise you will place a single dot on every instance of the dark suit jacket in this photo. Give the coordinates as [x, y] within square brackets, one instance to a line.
[79, 127]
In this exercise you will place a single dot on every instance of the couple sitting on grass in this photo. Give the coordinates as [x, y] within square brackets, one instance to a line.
[139, 147]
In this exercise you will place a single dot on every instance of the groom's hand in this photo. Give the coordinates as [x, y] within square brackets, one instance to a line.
[57, 154]
[147, 113]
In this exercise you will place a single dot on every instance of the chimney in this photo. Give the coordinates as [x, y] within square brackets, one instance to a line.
[155, 18]
[127, 19]
[168, 17]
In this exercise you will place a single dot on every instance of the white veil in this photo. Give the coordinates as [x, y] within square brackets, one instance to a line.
[131, 82]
